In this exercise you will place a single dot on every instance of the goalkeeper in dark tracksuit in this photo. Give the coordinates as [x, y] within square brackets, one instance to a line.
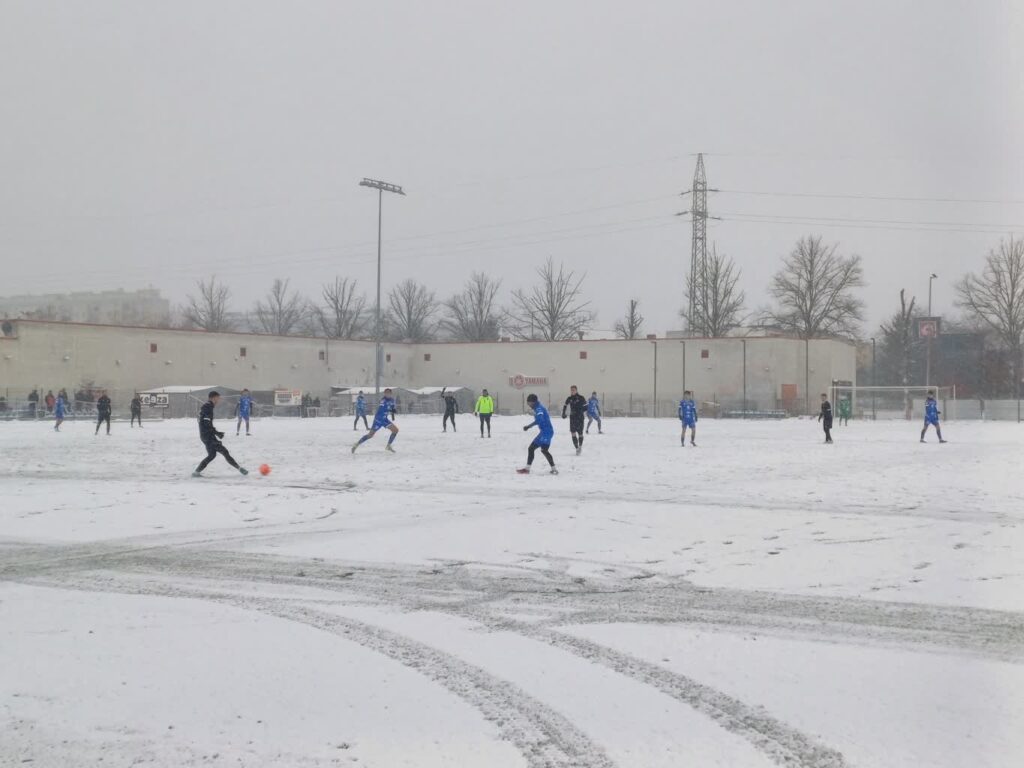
[576, 405]
[211, 438]
[451, 407]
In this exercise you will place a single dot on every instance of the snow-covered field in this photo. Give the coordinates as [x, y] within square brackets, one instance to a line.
[761, 600]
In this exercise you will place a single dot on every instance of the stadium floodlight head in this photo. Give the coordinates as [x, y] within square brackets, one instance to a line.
[383, 186]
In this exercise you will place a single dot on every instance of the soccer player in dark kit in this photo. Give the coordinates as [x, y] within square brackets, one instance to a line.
[211, 438]
[451, 407]
[137, 410]
[825, 417]
[103, 412]
[576, 405]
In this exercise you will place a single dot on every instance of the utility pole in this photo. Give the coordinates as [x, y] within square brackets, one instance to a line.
[874, 381]
[700, 296]
[655, 381]
[381, 187]
[928, 353]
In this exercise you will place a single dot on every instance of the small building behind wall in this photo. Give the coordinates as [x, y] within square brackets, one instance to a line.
[185, 400]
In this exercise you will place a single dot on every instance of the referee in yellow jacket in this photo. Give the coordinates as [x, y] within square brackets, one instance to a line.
[484, 409]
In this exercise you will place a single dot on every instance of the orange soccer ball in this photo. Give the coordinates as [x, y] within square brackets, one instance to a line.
[264, 469]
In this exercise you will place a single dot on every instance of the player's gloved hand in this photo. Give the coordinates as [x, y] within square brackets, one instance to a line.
[220, 434]
[563, 415]
[526, 429]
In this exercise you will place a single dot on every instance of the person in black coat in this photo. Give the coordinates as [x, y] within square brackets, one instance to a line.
[211, 438]
[103, 410]
[825, 417]
[137, 410]
[576, 405]
[451, 407]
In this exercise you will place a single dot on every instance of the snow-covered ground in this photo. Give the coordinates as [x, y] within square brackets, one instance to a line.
[760, 600]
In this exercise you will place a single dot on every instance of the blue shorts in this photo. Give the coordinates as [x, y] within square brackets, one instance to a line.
[380, 424]
[933, 422]
[689, 424]
[541, 442]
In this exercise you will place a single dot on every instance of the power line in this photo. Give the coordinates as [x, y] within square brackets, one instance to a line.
[881, 221]
[890, 198]
[805, 221]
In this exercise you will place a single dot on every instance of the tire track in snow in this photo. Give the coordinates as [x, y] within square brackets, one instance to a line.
[495, 596]
[781, 742]
[544, 737]
[496, 591]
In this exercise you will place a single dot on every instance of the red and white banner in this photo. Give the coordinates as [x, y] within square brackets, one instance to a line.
[519, 381]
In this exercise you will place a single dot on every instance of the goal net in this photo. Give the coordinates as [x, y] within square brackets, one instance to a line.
[890, 402]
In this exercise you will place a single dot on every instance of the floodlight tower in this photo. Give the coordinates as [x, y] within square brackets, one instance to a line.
[381, 187]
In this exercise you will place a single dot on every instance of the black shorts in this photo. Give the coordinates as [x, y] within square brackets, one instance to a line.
[576, 423]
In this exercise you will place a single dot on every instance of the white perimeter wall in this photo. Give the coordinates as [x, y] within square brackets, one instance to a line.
[617, 369]
[120, 359]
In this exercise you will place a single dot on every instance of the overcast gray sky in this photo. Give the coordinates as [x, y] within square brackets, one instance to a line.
[148, 143]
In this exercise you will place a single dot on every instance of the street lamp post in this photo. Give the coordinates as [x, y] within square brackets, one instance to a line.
[381, 187]
[874, 381]
[744, 378]
[928, 353]
[655, 409]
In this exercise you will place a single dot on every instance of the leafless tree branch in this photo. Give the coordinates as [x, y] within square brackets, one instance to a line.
[814, 291]
[472, 315]
[413, 307]
[552, 310]
[630, 326]
[209, 310]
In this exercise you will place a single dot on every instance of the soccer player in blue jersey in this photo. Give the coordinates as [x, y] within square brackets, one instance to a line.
[594, 412]
[244, 410]
[381, 421]
[688, 415]
[59, 410]
[541, 420]
[360, 412]
[931, 416]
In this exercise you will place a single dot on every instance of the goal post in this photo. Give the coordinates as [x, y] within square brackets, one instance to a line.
[890, 402]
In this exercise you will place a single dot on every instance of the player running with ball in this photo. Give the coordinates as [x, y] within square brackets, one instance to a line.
[381, 421]
[211, 438]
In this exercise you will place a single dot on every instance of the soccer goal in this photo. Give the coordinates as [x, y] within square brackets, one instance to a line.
[890, 402]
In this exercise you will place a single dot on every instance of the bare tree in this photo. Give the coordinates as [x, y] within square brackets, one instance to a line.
[413, 307]
[281, 312]
[553, 310]
[996, 298]
[472, 315]
[342, 314]
[814, 291]
[209, 310]
[898, 340]
[629, 326]
[725, 299]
